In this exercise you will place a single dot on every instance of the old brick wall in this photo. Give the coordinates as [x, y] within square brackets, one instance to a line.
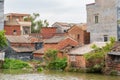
[79, 61]
[81, 36]
[48, 32]
[10, 28]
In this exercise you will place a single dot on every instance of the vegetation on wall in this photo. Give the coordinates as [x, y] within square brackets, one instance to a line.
[96, 58]
[53, 62]
[37, 23]
[3, 40]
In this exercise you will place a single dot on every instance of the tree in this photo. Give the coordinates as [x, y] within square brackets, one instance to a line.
[3, 41]
[53, 62]
[37, 23]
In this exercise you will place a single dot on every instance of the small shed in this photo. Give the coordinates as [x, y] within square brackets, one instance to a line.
[113, 58]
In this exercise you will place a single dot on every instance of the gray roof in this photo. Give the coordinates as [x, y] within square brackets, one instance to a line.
[18, 39]
[114, 53]
[23, 49]
[55, 39]
[86, 48]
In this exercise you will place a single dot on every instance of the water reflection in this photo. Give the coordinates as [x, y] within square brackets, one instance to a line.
[51, 75]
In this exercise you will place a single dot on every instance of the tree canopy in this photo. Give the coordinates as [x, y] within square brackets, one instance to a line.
[37, 23]
[3, 41]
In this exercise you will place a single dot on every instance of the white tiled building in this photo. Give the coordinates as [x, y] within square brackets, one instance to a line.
[103, 20]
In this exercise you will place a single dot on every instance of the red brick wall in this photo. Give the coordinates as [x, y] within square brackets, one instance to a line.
[79, 61]
[9, 29]
[38, 55]
[50, 46]
[48, 32]
[83, 35]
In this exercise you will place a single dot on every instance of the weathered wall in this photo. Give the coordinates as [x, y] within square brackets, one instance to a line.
[10, 28]
[1, 14]
[107, 24]
[10, 53]
[78, 62]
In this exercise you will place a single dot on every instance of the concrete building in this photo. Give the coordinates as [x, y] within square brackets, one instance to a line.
[103, 20]
[1, 14]
[16, 25]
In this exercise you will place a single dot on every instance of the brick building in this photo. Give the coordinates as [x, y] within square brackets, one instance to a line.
[48, 32]
[21, 47]
[103, 20]
[14, 24]
[61, 43]
[113, 59]
[80, 34]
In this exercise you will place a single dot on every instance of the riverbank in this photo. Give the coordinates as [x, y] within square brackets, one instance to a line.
[52, 75]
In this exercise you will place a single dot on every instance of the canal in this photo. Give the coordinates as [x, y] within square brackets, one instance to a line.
[51, 75]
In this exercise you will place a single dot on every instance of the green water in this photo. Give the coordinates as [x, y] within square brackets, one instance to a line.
[51, 75]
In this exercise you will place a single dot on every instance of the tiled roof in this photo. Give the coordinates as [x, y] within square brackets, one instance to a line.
[116, 47]
[61, 44]
[91, 4]
[23, 49]
[83, 26]
[64, 24]
[86, 48]
[18, 39]
[114, 53]
[55, 39]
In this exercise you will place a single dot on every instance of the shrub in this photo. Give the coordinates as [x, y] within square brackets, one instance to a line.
[58, 64]
[95, 59]
[113, 72]
[53, 62]
[14, 64]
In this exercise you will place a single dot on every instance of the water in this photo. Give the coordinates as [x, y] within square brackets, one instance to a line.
[52, 75]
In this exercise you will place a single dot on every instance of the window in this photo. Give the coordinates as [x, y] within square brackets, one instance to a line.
[96, 19]
[14, 32]
[65, 30]
[78, 37]
[105, 38]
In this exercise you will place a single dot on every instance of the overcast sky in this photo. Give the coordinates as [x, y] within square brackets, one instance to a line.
[73, 11]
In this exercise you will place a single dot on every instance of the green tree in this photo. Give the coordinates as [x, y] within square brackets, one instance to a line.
[3, 41]
[53, 62]
[95, 59]
[37, 23]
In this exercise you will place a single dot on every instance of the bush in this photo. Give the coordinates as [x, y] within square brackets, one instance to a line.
[58, 64]
[95, 59]
[113, 72]
[14, 64]
[53, 62]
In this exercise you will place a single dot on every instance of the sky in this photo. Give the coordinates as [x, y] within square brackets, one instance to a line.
[71, 11]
